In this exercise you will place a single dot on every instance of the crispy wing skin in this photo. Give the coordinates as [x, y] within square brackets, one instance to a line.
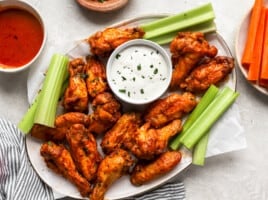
[211, 71]
[83, 148]
[148, 142]
[127, 124]
[96, 77]
[146, 172]
[107, 110]
[62, 124]
[104, 42]
[187, 49]
[76, 96]
[59, 159]
[111, 168]
[169, 108]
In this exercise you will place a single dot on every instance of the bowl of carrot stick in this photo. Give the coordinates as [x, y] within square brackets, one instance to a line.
[252, 46]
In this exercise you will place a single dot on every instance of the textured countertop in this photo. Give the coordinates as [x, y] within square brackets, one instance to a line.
[235, 175]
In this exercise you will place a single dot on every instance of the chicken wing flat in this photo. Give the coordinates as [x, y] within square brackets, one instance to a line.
[106, 113]
[96, 77]
[169, 108]
[211, 71]
[111, 168]
[83, 148]
[187, 49]
[126, 125]
[62, 124]
[149, 142]
[76, 96]
[145, 172]
[104, 42]
[59, 159]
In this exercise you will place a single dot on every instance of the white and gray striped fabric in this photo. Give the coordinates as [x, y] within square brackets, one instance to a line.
[19, 181]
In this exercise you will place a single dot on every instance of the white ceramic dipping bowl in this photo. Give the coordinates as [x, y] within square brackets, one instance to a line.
[139, 71]
[21, 5]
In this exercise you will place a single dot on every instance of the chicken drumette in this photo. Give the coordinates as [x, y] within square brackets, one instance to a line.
[76, 96]
[211, 71]
[147, 142]
[106, 113]
[169, 108]
[145, 172]
[96, 77]
[83, 148]
[59, 159]
[187, 49]
[111, 168]
[104, 42]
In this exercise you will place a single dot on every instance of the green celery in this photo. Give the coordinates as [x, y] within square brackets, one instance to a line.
[201, 106]
[200, 150]
[51, 90]
[178, 22]
[27, 121]
[206, 27]
[210, 115]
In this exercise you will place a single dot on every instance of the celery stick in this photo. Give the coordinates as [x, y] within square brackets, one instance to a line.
[51, 90]
[200, 150]
[180, 21]
[210, 115]
[206, 27]
[27, 121]
[201, 106]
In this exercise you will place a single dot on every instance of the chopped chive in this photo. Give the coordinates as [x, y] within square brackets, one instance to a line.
[117, 56]
[123, 78]
[122, 90]
[139, 67]
[155, 71]
[128, 94]
[141, 91]
[134, 79]
[151, 66]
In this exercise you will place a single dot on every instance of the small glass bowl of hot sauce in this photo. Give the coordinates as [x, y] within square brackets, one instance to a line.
[22, 35]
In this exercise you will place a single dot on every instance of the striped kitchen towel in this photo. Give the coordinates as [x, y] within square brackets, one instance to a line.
[19, 181]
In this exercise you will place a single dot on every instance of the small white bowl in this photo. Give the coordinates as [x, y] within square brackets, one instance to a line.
[139, 71]
[17, 4]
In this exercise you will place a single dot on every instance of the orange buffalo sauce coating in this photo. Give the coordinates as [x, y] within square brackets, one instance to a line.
[21, 36]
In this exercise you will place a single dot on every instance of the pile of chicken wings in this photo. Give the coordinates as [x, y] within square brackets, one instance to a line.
[132, 142]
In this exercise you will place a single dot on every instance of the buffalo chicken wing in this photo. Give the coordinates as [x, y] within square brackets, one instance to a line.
[146, 143]
[187, 49]
[76, 96]
[111, 168]
[83, 148]
[169, 108]
[106, 113]
[211, 71]
[145, 172]
[59, 159]
[104, 42]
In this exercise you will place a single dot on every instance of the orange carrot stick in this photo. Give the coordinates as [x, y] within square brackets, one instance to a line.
[255, 65]
[264, 66]
[252, 31]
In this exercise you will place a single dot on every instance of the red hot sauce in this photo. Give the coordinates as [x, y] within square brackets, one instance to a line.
[21, 36]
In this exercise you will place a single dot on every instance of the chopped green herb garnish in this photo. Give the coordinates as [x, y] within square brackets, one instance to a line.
[139, 67]
[117, 56]
[143, 77]
[122, 90]
[128, 94]
[151, 66]
[134, 79]
[155, 71]
[141, 91]
[123, 78]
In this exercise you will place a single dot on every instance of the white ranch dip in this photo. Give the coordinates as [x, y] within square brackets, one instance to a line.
[139, 73]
